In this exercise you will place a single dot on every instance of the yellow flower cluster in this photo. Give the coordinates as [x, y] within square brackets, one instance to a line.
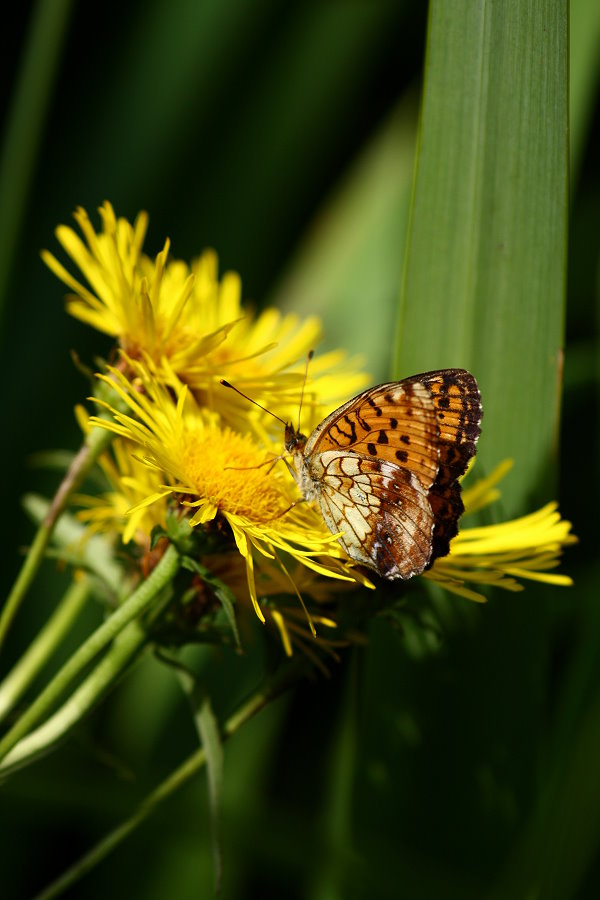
[183, 441]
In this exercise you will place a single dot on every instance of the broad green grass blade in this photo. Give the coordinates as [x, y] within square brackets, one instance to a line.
[485, 269]
[348, 264]
[26, 118]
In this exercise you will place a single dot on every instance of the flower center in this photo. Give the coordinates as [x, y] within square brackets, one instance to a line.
[225, 467]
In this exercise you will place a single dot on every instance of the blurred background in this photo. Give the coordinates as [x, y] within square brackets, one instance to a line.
[446, 758]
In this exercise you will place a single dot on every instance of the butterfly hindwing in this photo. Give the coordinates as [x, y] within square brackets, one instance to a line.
[382, 511]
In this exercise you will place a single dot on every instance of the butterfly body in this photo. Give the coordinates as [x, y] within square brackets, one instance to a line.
[295, 443]
[384, 468]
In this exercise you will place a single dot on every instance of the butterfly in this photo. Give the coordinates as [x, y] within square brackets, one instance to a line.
[384, 468]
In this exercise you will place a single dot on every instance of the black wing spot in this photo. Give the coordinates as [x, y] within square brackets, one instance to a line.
[349, 422]
[451, 455]
[405, 439]
[393, 423]
[372, 449]
[402, 455]
[444, 402]
[383, 438]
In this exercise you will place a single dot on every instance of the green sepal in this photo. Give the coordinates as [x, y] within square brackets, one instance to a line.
[223, 594]
[177, 532]
[187, 540]
[156, 535]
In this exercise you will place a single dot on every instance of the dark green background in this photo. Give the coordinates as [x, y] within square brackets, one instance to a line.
[446, 763]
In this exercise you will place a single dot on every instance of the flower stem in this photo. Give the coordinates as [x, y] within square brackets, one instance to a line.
[124, 648]
[139, 601]
[276, 686]
[20, 677]
[95, 443]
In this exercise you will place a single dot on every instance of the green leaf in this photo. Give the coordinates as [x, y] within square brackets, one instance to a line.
[210, 736]
[556, 850]
[485, 269]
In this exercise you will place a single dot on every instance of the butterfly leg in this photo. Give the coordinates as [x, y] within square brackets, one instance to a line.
[288, 508]
[266, 462]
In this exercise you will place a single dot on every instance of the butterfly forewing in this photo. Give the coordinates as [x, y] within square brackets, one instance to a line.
[393, 422]
[457, 402]
[375, 460]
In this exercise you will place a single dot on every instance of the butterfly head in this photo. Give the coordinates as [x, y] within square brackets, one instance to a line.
[294, 440]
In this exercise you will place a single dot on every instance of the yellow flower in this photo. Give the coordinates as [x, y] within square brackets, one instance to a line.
[497, 555]
[117, 512]
[144, 303]
[214, 471]
[185, 320]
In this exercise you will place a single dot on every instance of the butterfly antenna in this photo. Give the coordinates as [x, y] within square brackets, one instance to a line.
[250, 400]
[311, 353]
